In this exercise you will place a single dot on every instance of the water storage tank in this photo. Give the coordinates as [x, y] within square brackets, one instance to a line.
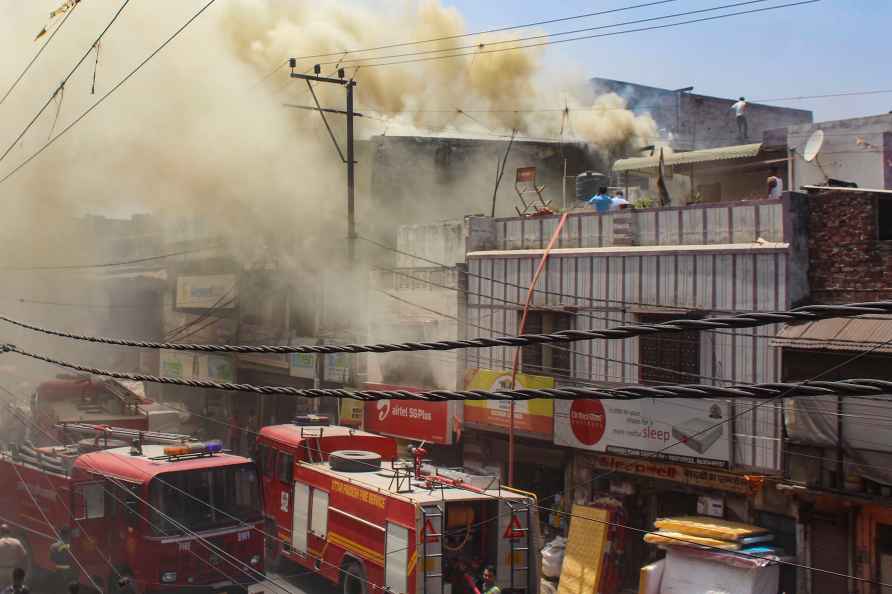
[587, 184]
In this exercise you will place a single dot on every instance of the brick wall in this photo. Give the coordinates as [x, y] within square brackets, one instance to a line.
[846, 262]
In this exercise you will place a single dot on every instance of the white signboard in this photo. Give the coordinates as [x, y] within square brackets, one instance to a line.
[337, 365]
[687, 431]
[197, 365]
[206, 291]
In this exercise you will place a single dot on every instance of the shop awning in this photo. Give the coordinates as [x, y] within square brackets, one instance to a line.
[839, 334]
[725, 153]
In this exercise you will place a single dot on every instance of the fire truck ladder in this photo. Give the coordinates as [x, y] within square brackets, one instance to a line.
[519, 512]
[125, 434]
[311, 435]
[432, 516]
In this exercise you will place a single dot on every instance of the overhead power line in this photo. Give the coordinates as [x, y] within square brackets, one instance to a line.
[636, 107]
[484, 32]
[480, 46]
[36, 55]
[99, 101]
[854, 387]
[807, 313]
[107, 264]
[61, 85]
[583, 37]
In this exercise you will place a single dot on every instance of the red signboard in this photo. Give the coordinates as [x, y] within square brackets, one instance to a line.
[408, 419]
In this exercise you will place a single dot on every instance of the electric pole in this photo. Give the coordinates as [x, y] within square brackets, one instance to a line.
[349, 159]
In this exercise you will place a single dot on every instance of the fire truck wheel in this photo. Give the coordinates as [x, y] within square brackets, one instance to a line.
[352, 578]
[354, 461]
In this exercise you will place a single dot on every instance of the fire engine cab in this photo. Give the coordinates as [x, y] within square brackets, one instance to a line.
[366, 521]
[166, 517]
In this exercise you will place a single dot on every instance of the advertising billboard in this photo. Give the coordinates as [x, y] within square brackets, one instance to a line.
[678, 430]
[409, 419]
[534, 417]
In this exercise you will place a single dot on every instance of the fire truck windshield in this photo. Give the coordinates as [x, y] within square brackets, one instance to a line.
[217, 496]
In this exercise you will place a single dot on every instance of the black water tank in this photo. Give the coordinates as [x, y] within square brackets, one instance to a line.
[587, 184]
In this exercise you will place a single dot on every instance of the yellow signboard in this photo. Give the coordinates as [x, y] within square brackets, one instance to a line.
[351, 412]
[531, 416]
[584, 556]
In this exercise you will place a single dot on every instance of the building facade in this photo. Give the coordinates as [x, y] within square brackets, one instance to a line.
[837, 454]
[691, 121]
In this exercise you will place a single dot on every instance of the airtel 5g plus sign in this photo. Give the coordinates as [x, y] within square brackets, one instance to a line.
[588, 421]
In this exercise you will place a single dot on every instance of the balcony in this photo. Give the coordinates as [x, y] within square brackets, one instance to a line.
[753, 221]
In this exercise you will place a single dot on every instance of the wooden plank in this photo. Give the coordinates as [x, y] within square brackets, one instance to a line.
[584, 556]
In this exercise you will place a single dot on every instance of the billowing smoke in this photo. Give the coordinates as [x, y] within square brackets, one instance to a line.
[195, 137]
[499, 91]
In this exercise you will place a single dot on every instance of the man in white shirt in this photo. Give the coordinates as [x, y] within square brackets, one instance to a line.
[775, 184]
[618, 201]
[740, 108]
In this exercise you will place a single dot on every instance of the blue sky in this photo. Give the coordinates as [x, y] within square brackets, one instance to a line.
[828, 47]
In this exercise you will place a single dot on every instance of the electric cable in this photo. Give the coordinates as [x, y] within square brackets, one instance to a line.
[209, 545]
[636, 107]
[805, 313]
[571, 39]
[107, 264]
[108, 93]
[578, 313]
[480, 46]
[64, 80]
[484, 32]
[52, 527]
[36, 55]
[767, 391]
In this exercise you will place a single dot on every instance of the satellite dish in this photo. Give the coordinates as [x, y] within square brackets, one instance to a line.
[813, 146]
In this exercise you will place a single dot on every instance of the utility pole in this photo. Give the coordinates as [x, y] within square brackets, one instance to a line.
[349, 159]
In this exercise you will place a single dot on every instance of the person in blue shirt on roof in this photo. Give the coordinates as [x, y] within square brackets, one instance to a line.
[601, 201]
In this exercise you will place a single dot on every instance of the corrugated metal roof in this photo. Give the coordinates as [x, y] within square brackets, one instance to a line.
[741, 151]
[838, 334]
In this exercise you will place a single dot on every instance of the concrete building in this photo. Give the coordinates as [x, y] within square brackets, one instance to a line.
[427, 179]
[857, 150]
[838, 451]
[693, 121]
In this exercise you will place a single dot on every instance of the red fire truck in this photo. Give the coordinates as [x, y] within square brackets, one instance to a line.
[309, 438]
[167, 517]
[365, 521]
[79, 398]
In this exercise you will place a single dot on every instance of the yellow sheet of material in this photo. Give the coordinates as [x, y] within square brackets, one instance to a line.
[688, 540]
[584, 555]
[709, 527]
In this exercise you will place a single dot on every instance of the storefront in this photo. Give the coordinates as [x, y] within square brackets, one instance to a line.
[641, 491]
[210, 408]
[539, 466]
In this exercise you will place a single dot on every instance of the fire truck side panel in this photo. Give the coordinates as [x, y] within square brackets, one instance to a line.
[18, 509]
[280, 447]
[347, 522]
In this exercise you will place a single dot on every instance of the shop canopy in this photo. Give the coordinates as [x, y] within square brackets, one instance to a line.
[725, 153]
[839, 334]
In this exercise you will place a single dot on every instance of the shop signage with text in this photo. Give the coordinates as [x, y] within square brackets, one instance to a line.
[681, 430]
[530, 416]
[408, 419]
[697, 477]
